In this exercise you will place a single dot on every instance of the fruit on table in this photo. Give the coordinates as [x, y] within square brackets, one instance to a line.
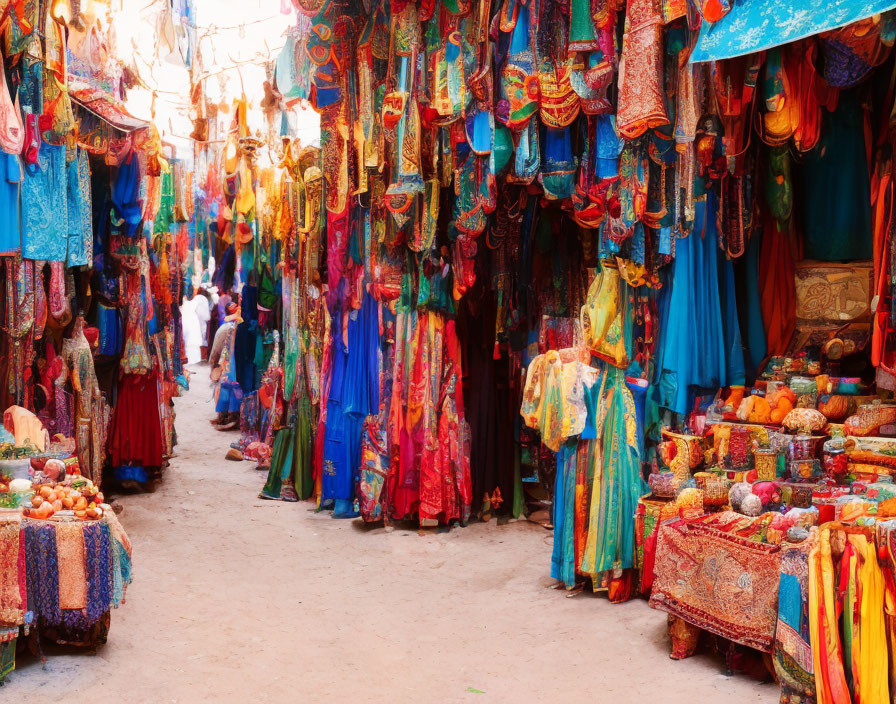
[48, 499]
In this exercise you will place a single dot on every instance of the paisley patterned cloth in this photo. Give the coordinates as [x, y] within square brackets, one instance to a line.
[80, 212]
[708, 574]
[45, 208]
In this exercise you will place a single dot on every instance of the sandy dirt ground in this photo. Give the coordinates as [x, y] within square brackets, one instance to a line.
[237, 599]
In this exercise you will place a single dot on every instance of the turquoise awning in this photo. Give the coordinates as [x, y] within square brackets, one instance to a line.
[754, 25]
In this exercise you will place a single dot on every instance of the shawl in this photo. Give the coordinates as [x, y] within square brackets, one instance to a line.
[72, 566]
[12, 575]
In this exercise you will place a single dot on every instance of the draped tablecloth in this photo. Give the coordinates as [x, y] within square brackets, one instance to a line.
[61, 576]
[713, 573]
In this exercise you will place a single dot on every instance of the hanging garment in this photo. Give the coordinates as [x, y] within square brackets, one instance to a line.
[617, 480]
[125, 193]
[691, 309]
[777, 288]
[45, 208]
[446, 491]
[563, 556]
[836, 192]
[80, 212]
[11, 178]
[793, 652]
[641, 105]
[353, 395]
[135, 437]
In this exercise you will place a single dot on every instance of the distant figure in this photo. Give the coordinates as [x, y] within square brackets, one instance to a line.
[195, 316]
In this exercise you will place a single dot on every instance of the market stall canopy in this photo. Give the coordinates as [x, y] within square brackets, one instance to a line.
[105, 107]
[755, 25]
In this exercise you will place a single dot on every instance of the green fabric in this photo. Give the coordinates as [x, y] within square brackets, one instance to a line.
[518, 508]
[836, 188]
[165, 216]
[610, 544]
[304, 451]
[581, 24]
[7, 658]
[281, 463]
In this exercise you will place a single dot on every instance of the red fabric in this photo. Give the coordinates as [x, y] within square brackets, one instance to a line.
[777, 287]
[136, 434]
[647, 572]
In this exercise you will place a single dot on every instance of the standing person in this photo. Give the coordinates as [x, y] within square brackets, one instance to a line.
[228, 394]
[204, 314]
[191, 328]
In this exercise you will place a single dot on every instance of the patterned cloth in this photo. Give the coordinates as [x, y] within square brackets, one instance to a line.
[793, 651]
[754, 25]
[50, 556]
[72, 566]
[12, 593]
[710, 575]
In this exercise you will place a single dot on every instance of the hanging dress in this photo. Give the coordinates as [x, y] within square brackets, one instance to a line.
[45, 208]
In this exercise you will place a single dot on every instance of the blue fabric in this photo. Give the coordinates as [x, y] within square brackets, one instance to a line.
[80, 217]
[337, 453]
[125, 193]
[735, 372]
[755, 25]
[563, 556]
[245, 341]
[694, 351]
[108, 321]
[230, 396]
[608, 146]
[11, 175]
[558, 170]
[639, 395]
[790, 602]
[592, 401]
[519, 40]
[44, 207]
[131, 473]
[753, 326]
[354, 395]
[98, 550]
[42, 572]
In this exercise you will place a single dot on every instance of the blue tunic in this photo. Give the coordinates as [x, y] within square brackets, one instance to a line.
[11, 176]
[45, 207]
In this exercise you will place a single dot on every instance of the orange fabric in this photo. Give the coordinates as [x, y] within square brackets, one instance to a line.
[72, 566]
[882, 215]
[777, 288]
[805, 81]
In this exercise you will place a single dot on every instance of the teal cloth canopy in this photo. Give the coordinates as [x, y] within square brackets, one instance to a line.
[754, 25]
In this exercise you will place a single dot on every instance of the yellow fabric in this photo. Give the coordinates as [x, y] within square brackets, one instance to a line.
[830, 680]
[245, 199]
[603, 317]
[869, 656]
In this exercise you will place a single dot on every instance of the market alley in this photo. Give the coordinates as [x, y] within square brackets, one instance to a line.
[237, 599]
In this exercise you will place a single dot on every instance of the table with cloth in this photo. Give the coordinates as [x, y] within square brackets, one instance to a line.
[717, 573]
[59, 578]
